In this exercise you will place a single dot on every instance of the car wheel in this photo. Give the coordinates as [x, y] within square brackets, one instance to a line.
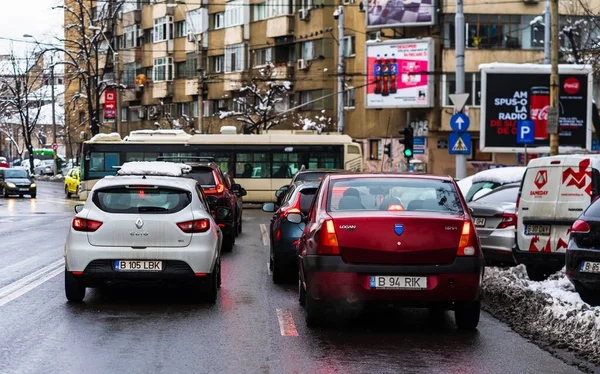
[211, 285]
[219, 276]
[278, 271]
[228, 243]
[240, 226]
[4, 193]
[67, 192]
[467, 314]
[301, 292]
[538, 274]
[314, 311]
[74, 289]
[591, 297]
[33, 196]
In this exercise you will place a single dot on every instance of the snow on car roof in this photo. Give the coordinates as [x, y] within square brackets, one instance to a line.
[465, 184]
[500, 175]
[157, 168]
[113, 136]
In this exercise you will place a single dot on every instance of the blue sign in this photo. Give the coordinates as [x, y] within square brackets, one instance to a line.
[399, 228]
[419, 145]
[595, 145]
[525, 133]
[459, 122]
[460, 144]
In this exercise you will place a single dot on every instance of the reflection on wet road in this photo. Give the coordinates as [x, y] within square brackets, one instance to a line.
[255, 327]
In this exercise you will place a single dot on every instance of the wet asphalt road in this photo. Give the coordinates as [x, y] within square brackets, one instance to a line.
[150, 331]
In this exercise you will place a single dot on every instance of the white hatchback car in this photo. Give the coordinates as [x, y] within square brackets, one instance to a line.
[149, 224]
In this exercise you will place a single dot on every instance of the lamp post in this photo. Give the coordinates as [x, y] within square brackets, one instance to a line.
[117, 124]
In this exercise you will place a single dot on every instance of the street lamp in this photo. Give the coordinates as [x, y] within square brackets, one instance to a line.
[117, 124]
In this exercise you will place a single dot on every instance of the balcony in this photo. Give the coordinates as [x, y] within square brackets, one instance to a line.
[234, 35]
[283, 71]
[130, 56]
[280, 26]
[191, 87]
[233, 82]
[131, 18]
[130, 94]
[161, 90]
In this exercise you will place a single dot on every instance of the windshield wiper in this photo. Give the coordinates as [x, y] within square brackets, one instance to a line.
[151, 209]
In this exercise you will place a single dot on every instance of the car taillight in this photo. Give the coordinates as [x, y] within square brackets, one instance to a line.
[580, 227]
[328, 243]
[294, 208]
[507, 220]
[87, 225]
[197, 225]
[395, 207]
[467, 243]
[219, 187]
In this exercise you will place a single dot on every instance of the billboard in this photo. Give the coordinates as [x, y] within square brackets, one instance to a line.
[398, 74]
[400, 13]
[515, 92]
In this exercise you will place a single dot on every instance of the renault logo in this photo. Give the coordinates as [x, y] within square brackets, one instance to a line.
[139, 223]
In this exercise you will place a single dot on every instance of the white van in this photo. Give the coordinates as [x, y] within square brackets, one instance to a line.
[554, 192]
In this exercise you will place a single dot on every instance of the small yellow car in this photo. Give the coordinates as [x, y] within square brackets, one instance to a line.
[72, 181]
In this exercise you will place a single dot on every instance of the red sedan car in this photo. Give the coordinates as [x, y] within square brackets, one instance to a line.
[400, 238]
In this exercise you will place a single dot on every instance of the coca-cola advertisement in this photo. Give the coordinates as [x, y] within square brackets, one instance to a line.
[398, 74]
[514, 92]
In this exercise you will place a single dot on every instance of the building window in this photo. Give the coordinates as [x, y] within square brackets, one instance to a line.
[130, 39]
[129, 74]
[374, 149]
[208, 108]
[234, 58]
[349, 102]
[307, 50]
[275, 8]
[305, 97]
[476, 154]
[131, 5]
[472, 87]
[349, 46]
[259, 12]
[486, 31]
[163, 29]
[163, 69]
[181, 70]
[216, 64]
[262, 56]
[180, 29]
[217, 20]
[195, 107]
[195, 20]
[234, 13]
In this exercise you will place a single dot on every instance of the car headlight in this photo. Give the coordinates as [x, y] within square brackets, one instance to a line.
[32, 185]
[10, 185]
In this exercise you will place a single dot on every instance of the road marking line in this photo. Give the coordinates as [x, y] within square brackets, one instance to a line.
[265, 234]
[29, 282]
[286, 323]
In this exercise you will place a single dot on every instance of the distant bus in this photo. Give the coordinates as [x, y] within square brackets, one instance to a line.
[260, 163]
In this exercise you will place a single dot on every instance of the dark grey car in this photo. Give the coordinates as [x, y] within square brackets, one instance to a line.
[494, 216]
[16, 182]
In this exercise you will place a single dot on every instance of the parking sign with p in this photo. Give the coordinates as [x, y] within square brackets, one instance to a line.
[525, 133]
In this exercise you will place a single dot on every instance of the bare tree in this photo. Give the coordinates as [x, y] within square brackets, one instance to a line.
[579, 34]
[260, 96]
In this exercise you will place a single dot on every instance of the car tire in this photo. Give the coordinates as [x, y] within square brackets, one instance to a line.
[4, 193]
[67, 192]
[466, 315]
[301, 292]
[74, 289]
[591, 297]
[538, 274]
[211, 286]
[240, 226]
[314, 311]
[33, 196]
[278, 271]
[228, 243]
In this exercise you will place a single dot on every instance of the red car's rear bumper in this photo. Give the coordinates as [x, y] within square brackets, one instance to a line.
[329, 278]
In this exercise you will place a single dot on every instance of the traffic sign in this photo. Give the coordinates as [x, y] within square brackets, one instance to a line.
[460, 144]
[525, 133]
[109, 106]
[459, 101]
[459, 122]
[54, 146]
[419, 145]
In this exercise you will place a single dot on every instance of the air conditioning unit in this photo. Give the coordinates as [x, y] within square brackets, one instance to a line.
[141, 113]
[152, 112]
[191, 38]
[302, 64]
[304, 14]
[140, 32]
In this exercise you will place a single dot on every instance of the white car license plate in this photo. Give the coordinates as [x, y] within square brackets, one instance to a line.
[479, 222]
[590, 267]
[136, 265]
[398, 282]
[23, 189]
[537, 229]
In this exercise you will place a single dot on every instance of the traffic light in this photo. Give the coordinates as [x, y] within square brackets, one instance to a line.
[387, 150]
[408, 141]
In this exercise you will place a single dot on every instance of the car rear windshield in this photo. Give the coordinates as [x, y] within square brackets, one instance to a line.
[16, 174]
[141, 200]
[307, 195]
[204, 176]
[394, 194]
[316, 176]
[506, 195]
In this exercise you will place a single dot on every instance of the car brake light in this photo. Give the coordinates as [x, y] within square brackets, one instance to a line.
[395, 207]
[328, 243]
[294, 208]
[466, 244]
[580, 227]
[87, 225]
[219, 187]
[197, 225]
[508, 220]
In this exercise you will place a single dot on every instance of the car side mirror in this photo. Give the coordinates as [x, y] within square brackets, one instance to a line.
[212, 200]
[78, 208]
[279, 193]
[244, 192]
[236, 188]
[295, 218]
[269, 207]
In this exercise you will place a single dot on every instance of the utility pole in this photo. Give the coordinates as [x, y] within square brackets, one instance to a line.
[340, 70]
[53, 115]
[554, 80]
[547, 22]
[117, 124]
[459, 40]
[200, 73]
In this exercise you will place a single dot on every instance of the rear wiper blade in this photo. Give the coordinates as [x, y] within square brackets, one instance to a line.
[151, 209]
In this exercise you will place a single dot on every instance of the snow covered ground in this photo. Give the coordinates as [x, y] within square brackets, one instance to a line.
[550, 313]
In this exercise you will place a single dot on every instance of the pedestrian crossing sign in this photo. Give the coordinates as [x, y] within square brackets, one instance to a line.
[460, 143]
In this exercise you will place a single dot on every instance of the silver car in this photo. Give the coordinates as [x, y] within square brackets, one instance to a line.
[494, 217]
[144, 229]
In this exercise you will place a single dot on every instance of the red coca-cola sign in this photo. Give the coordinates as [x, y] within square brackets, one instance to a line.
[540, 114]
[571, 86]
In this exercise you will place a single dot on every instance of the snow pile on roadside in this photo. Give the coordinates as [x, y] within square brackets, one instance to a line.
[50, 178]
[550, 313]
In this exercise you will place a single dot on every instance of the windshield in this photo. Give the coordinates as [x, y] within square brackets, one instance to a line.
[479, 186]
[205, 177]
[506, 195]
[393, 194]
[141, 200]
[16, 174]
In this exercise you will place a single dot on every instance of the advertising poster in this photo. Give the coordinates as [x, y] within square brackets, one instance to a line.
[522, 92]
[398, 74]
[400, 13]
